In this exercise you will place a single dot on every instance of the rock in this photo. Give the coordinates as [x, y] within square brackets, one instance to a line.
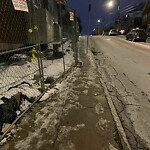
[16, 58]
[18, 98]
[56, 46]
[50, 56]
[44, 47]
[49, 80]
[58, 55]
[36, 77]
[8, 111]
[67, 50]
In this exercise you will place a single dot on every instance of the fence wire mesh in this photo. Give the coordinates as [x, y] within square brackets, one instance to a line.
[33, 53]
[17, 68]
[30, 43]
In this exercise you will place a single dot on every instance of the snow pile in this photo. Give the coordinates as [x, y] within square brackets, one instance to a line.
[18, 79]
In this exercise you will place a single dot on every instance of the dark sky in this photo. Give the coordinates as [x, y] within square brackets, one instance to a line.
[98, 11]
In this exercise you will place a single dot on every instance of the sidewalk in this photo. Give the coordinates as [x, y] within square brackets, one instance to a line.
[78, 118]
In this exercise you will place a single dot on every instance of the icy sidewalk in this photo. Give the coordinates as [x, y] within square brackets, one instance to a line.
[78, 118]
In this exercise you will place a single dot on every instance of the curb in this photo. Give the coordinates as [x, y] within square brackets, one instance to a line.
[122, 135]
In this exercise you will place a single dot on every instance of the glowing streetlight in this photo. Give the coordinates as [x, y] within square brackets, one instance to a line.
[110, 4]
[98, 20]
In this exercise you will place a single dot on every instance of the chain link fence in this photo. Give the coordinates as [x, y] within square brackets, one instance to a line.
[30, 46]
[36, 48]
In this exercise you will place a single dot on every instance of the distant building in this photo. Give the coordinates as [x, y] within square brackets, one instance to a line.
[132, 16]
[146, 17]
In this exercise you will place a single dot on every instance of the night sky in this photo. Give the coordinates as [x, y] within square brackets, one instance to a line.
[98, 11]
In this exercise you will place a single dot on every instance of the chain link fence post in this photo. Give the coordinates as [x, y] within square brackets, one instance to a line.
[40, 65]
[61, 35]
[75, 37]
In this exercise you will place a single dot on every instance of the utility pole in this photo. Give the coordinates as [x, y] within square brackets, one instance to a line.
[89, 11]
[118, 15]
[61, 34]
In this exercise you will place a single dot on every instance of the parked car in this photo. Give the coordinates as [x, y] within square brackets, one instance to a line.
[137, 35]
[113, 32]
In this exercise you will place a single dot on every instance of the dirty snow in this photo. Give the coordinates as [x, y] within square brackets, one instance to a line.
[24, 70]
[1, 102]
[85, 92]
[111, 147]
[99, 109]
[102, 123]
[51, 120]
[3, 141]
[65, 130]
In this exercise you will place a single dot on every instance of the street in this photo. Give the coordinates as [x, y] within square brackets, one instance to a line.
[124, 67]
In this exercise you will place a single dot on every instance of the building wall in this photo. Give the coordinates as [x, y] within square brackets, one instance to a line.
[146, 15]
[15, 25]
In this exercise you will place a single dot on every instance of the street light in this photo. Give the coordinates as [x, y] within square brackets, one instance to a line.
[98, 20]
[110, 4]
[118, 14]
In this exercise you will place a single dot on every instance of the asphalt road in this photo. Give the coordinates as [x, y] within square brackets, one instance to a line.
[125, 68]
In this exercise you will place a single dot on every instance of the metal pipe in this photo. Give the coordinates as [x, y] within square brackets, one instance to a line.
[61, 36]
[89, 10]
[118, 15]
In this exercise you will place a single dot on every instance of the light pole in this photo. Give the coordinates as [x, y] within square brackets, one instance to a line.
[110, 4]
[118, 15]
[98, 21]
[89, 11]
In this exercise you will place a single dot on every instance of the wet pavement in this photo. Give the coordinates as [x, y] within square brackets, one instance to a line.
[77, 118]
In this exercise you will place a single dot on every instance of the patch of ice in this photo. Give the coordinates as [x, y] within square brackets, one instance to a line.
[99, 109]
[85, 92]
[25, 143]
[102, 124]
[65, 130]
[48, 94]
[67, 146]
[80, 125]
